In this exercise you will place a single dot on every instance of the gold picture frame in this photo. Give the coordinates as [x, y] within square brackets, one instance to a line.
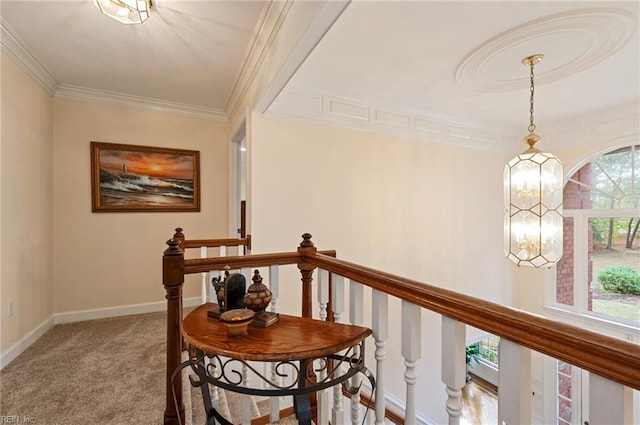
[132, 178]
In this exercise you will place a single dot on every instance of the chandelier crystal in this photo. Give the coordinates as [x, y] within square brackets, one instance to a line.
[125, 11]
[533, 200]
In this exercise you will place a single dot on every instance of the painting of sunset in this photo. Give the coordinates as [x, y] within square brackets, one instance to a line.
[142, 178]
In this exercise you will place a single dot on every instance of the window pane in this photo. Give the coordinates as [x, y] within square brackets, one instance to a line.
[564, 269]
[563, 394]
[613, 180]
[488, 350]
[615, 287]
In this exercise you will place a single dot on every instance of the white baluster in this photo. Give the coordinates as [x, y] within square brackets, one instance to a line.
[411, 351]
[514, 384]
[323, 301]
[274, 286]
[380, 327]
[203, 278]
[212, 293]
[246, 272]
[356, 294]
[323, 292]
[609, 402]
[274, 401]
[337, 298]
[453, 366]
[323, 395]
[337, 301]
[356, 316]
[246, 399]
[223, 253]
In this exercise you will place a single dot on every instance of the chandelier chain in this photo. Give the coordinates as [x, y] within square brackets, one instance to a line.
[532, 126]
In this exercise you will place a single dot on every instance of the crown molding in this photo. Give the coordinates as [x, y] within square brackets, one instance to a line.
[349, 113]
[14, 48]
[138, 102]
[265, 33]
[601, 126]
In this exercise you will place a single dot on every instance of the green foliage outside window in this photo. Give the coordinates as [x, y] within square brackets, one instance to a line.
[620, 279]
[485, 350]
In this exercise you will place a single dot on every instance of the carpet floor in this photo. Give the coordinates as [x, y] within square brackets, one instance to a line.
[107, 372]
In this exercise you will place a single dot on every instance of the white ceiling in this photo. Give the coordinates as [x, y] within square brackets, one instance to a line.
[188, 52]
[460, 62]
[455, 62]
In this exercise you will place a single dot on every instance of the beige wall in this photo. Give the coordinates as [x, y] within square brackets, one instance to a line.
[27, 200]
[114, 259]
[421, 210]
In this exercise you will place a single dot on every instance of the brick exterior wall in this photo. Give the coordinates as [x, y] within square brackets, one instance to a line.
[574, 197]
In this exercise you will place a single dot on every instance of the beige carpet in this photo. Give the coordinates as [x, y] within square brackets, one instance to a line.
[107, 372]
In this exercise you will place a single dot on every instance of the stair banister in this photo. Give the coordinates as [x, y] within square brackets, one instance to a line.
[337, 295]
[380, 328]
[614, 364]
[613, 358]
[514, 383]
[173, 279]
[356, 317]
[453, 368]
[411, 351]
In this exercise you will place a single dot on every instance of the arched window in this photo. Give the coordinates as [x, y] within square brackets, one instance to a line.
[600, 270]
[599, 273]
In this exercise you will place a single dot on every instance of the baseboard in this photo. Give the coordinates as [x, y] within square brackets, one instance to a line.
[82, 315]
[104, 313]
[17, 348]
[399, 405]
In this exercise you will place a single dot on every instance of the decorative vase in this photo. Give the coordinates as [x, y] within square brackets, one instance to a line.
[257, 298]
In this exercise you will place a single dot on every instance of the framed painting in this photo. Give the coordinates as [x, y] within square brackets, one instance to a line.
[130, 178]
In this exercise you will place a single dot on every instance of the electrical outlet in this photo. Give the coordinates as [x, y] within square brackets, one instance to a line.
[10, 308]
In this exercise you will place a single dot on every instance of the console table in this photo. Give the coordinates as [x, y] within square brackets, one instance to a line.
[307, 356]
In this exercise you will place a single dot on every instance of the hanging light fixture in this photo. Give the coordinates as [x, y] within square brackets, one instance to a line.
[533, 200]
[125, 11]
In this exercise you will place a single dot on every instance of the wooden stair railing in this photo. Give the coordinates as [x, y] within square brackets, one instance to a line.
[611, 358]
[606, 356]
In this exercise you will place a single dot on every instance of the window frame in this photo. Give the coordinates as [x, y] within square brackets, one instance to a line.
[580, 308]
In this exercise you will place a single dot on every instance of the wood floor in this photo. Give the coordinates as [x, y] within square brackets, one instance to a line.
[479, 403]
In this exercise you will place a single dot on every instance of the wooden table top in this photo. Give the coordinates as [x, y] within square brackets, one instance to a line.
[290, 338]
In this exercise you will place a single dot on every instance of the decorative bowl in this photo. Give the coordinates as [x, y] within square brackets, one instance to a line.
[237, 321]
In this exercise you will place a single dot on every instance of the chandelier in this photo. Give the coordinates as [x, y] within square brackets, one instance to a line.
[533, 199]
[125, 11]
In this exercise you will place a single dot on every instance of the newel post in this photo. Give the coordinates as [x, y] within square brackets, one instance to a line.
[173, 279]
[179, 236]
[306, 248]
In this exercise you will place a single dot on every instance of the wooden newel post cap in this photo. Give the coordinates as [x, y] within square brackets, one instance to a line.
[173, 249]
[306, 248]
[306, 241]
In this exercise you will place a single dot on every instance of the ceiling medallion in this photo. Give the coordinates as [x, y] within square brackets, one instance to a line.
[599, 32]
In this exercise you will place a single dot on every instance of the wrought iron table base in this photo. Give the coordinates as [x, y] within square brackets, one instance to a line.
[227, 373]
